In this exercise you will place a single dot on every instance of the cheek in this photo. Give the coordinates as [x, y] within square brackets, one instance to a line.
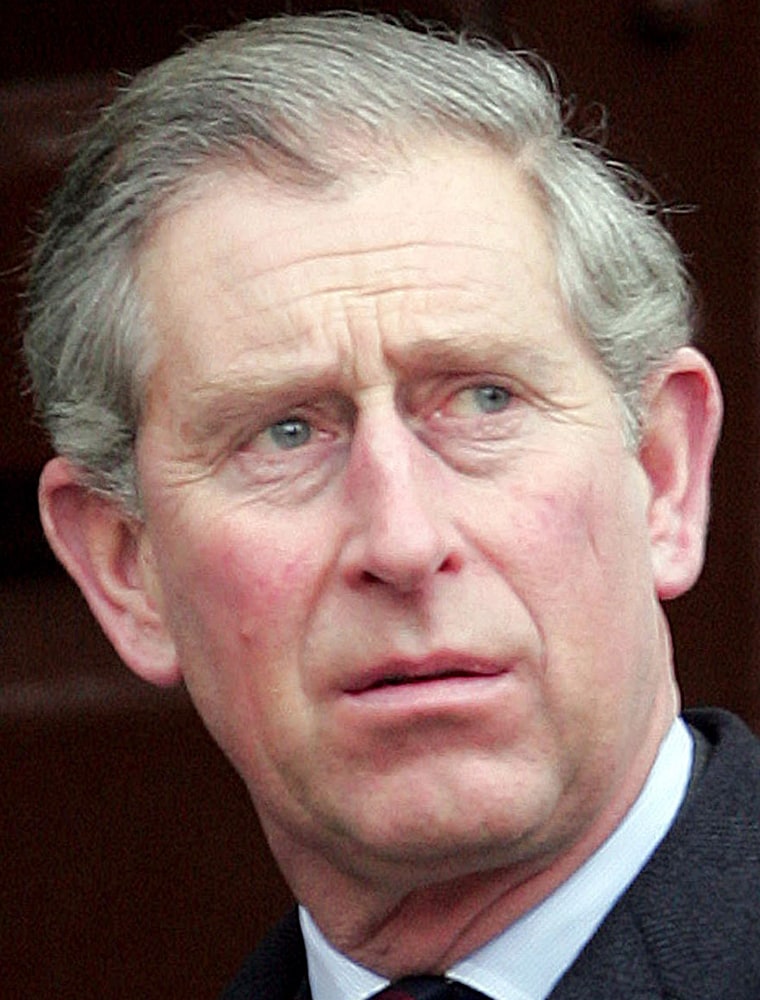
[239, 608]
[571, 542]
[549, 535]
[596, 604]
[577, 558]
[252, 584]
[240, 614]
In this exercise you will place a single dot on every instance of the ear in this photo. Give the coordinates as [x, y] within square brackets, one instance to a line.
[103, 549]
[681, 429]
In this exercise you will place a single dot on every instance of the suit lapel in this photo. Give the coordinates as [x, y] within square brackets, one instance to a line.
[615, 963]
[304, 993]
[687, 927]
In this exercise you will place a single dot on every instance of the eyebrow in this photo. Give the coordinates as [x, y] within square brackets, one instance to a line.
[467, 351]
[237, 393]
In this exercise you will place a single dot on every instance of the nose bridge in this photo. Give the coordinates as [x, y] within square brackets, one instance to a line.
[400, 533]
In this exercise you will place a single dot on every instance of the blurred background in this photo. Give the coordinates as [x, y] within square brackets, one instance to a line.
[131, 865]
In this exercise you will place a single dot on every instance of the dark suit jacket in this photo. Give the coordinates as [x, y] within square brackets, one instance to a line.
[688, 928]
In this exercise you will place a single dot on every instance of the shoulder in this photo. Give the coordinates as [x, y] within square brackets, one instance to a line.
[699, 896]
[724, 730]
[277, 968]
[731, 772]
[716, 836]
[710, 859]
[689, 925]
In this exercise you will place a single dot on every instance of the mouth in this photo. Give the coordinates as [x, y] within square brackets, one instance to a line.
[439, 670]
[397, 680]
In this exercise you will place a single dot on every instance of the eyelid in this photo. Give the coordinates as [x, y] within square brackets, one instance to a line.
[434, 396]
[323, 415]
[257, 432]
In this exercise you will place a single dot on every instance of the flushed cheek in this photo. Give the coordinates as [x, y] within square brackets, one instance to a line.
[539, 538]
[585, 519]
[239, 611]
[258, 588]
[572, 560]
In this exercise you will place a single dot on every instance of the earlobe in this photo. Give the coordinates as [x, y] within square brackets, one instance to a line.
[100, 546]
[681, 429]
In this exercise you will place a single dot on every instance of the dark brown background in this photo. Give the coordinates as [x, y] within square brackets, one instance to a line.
[130, 863]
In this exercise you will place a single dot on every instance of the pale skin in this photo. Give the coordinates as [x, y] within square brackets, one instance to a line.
[395, 543]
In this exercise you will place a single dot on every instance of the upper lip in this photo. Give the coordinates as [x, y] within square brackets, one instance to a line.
[439, 665]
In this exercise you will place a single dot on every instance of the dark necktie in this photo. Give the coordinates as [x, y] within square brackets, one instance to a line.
[428, 988]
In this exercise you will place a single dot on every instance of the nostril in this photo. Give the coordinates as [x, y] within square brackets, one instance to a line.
[451, 564]
[406, 576]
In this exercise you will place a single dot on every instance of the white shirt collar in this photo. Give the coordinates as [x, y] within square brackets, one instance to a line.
[526, 960]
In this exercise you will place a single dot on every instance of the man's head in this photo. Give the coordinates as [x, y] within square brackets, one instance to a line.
[418, 449]
[308, 102]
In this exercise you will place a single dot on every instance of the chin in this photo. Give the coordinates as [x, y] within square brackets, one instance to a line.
[455, 843]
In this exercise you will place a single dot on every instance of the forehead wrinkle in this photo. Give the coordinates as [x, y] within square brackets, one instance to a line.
[369, 258]
[362, 251]
[398, 300]
[344, 292]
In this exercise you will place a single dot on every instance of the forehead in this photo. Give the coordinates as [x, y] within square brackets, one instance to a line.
[446, 248]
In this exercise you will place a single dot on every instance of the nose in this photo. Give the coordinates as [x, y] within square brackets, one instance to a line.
[392, 484]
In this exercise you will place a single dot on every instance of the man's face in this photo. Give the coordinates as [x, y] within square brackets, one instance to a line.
[392, 523]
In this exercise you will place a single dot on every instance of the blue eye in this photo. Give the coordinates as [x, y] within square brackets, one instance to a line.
[478, 400]
[290, 433]
[491, 398]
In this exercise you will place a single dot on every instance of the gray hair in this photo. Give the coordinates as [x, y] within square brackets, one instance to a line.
[307, 100]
